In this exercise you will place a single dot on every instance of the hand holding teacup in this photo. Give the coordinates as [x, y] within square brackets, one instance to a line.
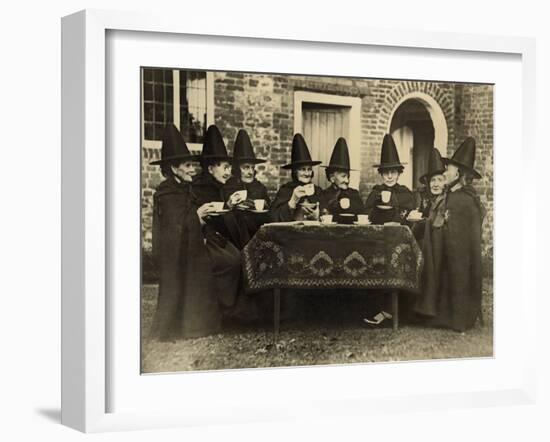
[204, 210]
[414, 216]
[236, 198]
[345, 203]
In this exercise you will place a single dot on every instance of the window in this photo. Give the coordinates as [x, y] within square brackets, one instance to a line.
[180, 96]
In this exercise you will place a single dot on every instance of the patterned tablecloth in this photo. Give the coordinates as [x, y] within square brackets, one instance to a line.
[290, 255]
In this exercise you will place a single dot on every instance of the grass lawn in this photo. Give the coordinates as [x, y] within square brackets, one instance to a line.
[315, 340]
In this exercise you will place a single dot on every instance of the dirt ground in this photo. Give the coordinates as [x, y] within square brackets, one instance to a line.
[326, 330]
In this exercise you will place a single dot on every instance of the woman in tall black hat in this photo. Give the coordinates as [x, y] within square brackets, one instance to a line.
[220, 230]
[452, 273]
[299, 198]
[430, 194]
[252, 212]
[389, 201]
[338, 198]
[186, 306]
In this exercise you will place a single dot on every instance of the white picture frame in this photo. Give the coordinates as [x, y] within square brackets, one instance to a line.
[86, 214]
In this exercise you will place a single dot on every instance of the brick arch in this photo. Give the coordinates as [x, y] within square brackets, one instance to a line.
[434, 98]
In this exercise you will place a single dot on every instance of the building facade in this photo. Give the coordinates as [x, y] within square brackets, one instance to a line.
[273, 107]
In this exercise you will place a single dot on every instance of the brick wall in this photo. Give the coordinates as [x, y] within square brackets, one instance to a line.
[263, 105]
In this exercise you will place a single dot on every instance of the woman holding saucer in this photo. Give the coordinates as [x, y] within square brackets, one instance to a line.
[251, 213]
[220, 231]
[298, 199]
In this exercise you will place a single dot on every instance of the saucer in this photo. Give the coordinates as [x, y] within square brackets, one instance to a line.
[357, 223]
[258, 211]
[383, 207]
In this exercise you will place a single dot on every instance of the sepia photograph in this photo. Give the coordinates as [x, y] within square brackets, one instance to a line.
[300, 220]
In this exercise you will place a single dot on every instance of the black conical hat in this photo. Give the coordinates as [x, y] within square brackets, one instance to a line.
[213, 147]
[300, 154]
[173, 146]
[389, 158]
[465, 156]
[435, 166]
[243, 152]
[340, 156]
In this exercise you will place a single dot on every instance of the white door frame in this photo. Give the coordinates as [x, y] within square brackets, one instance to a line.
[354, 129]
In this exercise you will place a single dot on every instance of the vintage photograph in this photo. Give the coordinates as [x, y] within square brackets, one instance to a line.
[299, 220]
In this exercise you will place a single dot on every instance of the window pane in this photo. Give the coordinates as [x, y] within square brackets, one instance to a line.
[193, 105]
[158, 101]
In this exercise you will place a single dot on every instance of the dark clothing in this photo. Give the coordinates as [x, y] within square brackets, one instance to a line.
[248, 222]
[280, 211]
[220, 234]
[423, 200]
[255, 190]
[452, 261]
[330, 201]
[187, 305]
[206, 189]
[396, 210]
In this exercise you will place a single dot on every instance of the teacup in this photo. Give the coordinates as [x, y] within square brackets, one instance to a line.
[259, 204]
[310, 189]
[217, 206]
[386, 196]
[363, 219]
[344, 203]
[326, 219]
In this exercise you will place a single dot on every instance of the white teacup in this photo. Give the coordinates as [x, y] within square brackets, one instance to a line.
[217, 206]
[326, 219]
[386, 196]
[259, 204]
[363, 219]
[310, 189]
[344, 203]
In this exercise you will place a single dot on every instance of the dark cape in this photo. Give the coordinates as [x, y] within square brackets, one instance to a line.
[401, 203]
[330, 201]
[280, 211]
[187, 306]
[452, 274]
[220, 234]
[248, 222]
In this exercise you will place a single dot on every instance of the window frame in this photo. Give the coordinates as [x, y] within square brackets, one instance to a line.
[193, 147]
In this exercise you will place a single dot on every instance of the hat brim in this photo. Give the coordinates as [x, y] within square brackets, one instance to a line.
[337, 167]
[474, 172]
[390, 166]
[216, 157]
[301, 163]
[428, 176]
[175, 157]
[248, 160]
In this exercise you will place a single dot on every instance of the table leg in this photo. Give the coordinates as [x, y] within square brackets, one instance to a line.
[276, 311]
[395, 308]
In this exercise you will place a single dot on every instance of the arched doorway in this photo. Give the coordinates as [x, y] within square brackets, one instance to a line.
[417, 125]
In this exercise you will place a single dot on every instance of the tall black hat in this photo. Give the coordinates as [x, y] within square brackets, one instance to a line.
[435, 166]
[340, 156]
[213, 147]
[243, 152]
[173, 146]
[389, 158]
[300, 154]
[465, 156]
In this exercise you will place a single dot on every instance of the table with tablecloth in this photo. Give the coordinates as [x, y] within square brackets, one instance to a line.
[316, 256]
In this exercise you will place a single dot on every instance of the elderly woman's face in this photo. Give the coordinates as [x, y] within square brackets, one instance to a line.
[304, 174]
[340, 179]
[451, 174]
[185, 171]
[437, 184]
[390, 176]
[220, 171]
[247, 172]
